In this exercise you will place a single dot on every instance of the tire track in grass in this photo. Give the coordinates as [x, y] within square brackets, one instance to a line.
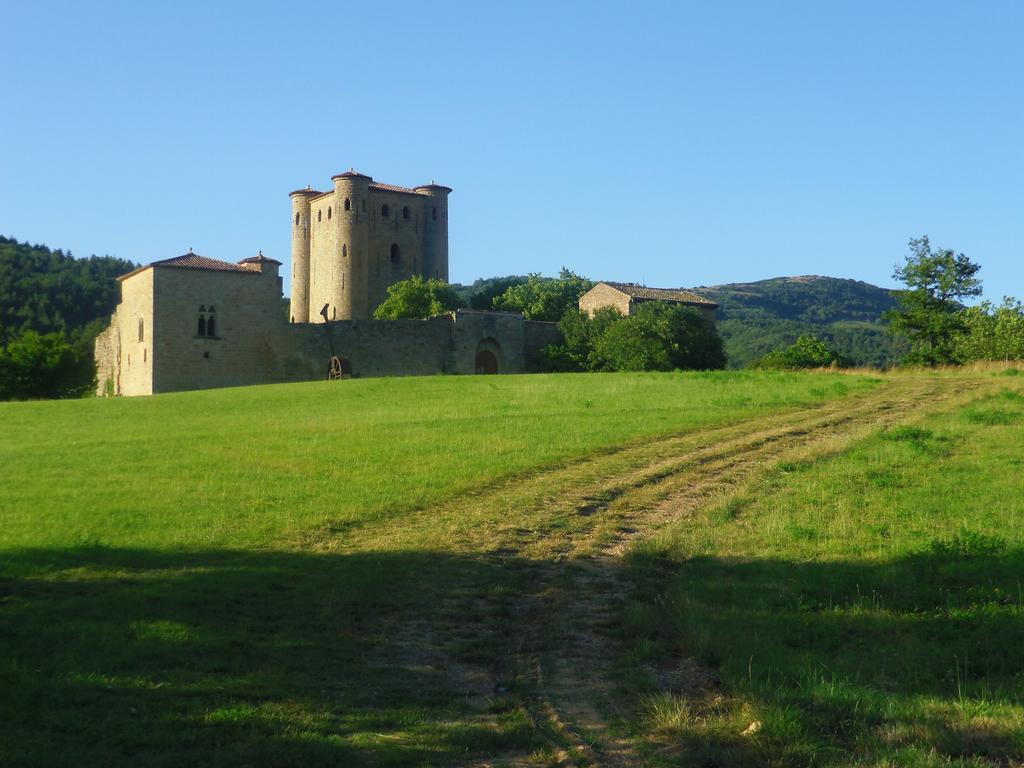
[567, 646]
[559, 535]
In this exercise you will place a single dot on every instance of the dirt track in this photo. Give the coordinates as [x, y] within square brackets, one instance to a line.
[566, 530]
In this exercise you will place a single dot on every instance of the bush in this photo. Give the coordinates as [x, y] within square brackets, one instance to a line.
[805, 352]
[659, 337]
[34, 366]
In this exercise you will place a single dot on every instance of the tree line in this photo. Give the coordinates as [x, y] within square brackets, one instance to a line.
[52, 307]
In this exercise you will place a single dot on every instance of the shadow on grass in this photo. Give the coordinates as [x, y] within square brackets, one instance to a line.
[129, 657]
[844, 662]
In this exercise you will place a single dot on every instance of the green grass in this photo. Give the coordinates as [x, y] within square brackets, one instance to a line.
[160, 603]
[254, 466]
[866, 609]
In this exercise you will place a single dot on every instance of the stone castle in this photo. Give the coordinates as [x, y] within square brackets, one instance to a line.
[350, 243]
[193, 322]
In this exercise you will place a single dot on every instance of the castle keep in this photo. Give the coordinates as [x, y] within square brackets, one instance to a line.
[193, 322]
[350, 243]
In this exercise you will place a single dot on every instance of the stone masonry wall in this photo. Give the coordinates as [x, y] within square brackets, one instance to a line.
[602, 295]
[247, 308]
[254, 343]
[121, 358]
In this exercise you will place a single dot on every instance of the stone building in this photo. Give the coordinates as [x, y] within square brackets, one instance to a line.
[626, 297]
[351, 242]
[193, 322]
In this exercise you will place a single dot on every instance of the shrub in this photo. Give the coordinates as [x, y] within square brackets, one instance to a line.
[805, 352]
[659, 337]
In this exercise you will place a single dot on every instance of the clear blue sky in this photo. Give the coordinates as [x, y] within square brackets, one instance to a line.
[674, 144]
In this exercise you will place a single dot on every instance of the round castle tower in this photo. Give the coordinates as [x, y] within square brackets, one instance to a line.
[300, 254]
[352, 249]
[435, 242]
[347, 248]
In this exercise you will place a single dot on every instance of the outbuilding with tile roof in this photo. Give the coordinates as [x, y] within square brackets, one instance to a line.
[626, 297]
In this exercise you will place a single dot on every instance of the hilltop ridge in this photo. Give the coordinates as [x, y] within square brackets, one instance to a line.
[755, 318]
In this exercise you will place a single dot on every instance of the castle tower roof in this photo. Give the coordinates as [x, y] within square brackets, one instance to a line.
[351, 173]
[259, 258]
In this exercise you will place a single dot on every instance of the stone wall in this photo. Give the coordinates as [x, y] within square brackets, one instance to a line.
[349, 265]
[248, 315]
[254, 344]
[122, 358]
[602, 295]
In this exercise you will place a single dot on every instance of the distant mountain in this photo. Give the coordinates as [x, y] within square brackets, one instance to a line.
[755, 318]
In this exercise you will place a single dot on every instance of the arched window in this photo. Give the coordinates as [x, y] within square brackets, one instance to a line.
[433, 213]
[396, 254]
[211, 328]
[201, 327]
[319, 215]
[384, 211]
[344, 251]
[296, 219]
[347, 204]
[405, 212]
[328, 213]
[142, 329]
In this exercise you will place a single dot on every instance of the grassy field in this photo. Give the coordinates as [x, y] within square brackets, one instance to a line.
[253, 467]
[406, 572]
[865, 609]
[172, 586]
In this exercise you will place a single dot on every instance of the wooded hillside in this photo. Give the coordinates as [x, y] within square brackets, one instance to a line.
[755, 318]
[50, 291]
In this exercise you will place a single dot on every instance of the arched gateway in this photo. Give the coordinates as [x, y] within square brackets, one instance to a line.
[488, 356]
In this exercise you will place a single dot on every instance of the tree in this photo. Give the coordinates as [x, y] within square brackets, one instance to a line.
[417, 298]
[991, 333]
[48, 291]
[483, 292]
[580, 332]
[544, 298]
[805, 352]
[659, 337]
[34, 366]
[929, 310]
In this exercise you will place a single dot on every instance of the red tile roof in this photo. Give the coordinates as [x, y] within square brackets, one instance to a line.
[392, 188]
[195, 261]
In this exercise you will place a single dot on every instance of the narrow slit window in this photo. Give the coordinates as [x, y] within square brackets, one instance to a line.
[328, 213]
[142, 329]
[319, 215]
[405, 212]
